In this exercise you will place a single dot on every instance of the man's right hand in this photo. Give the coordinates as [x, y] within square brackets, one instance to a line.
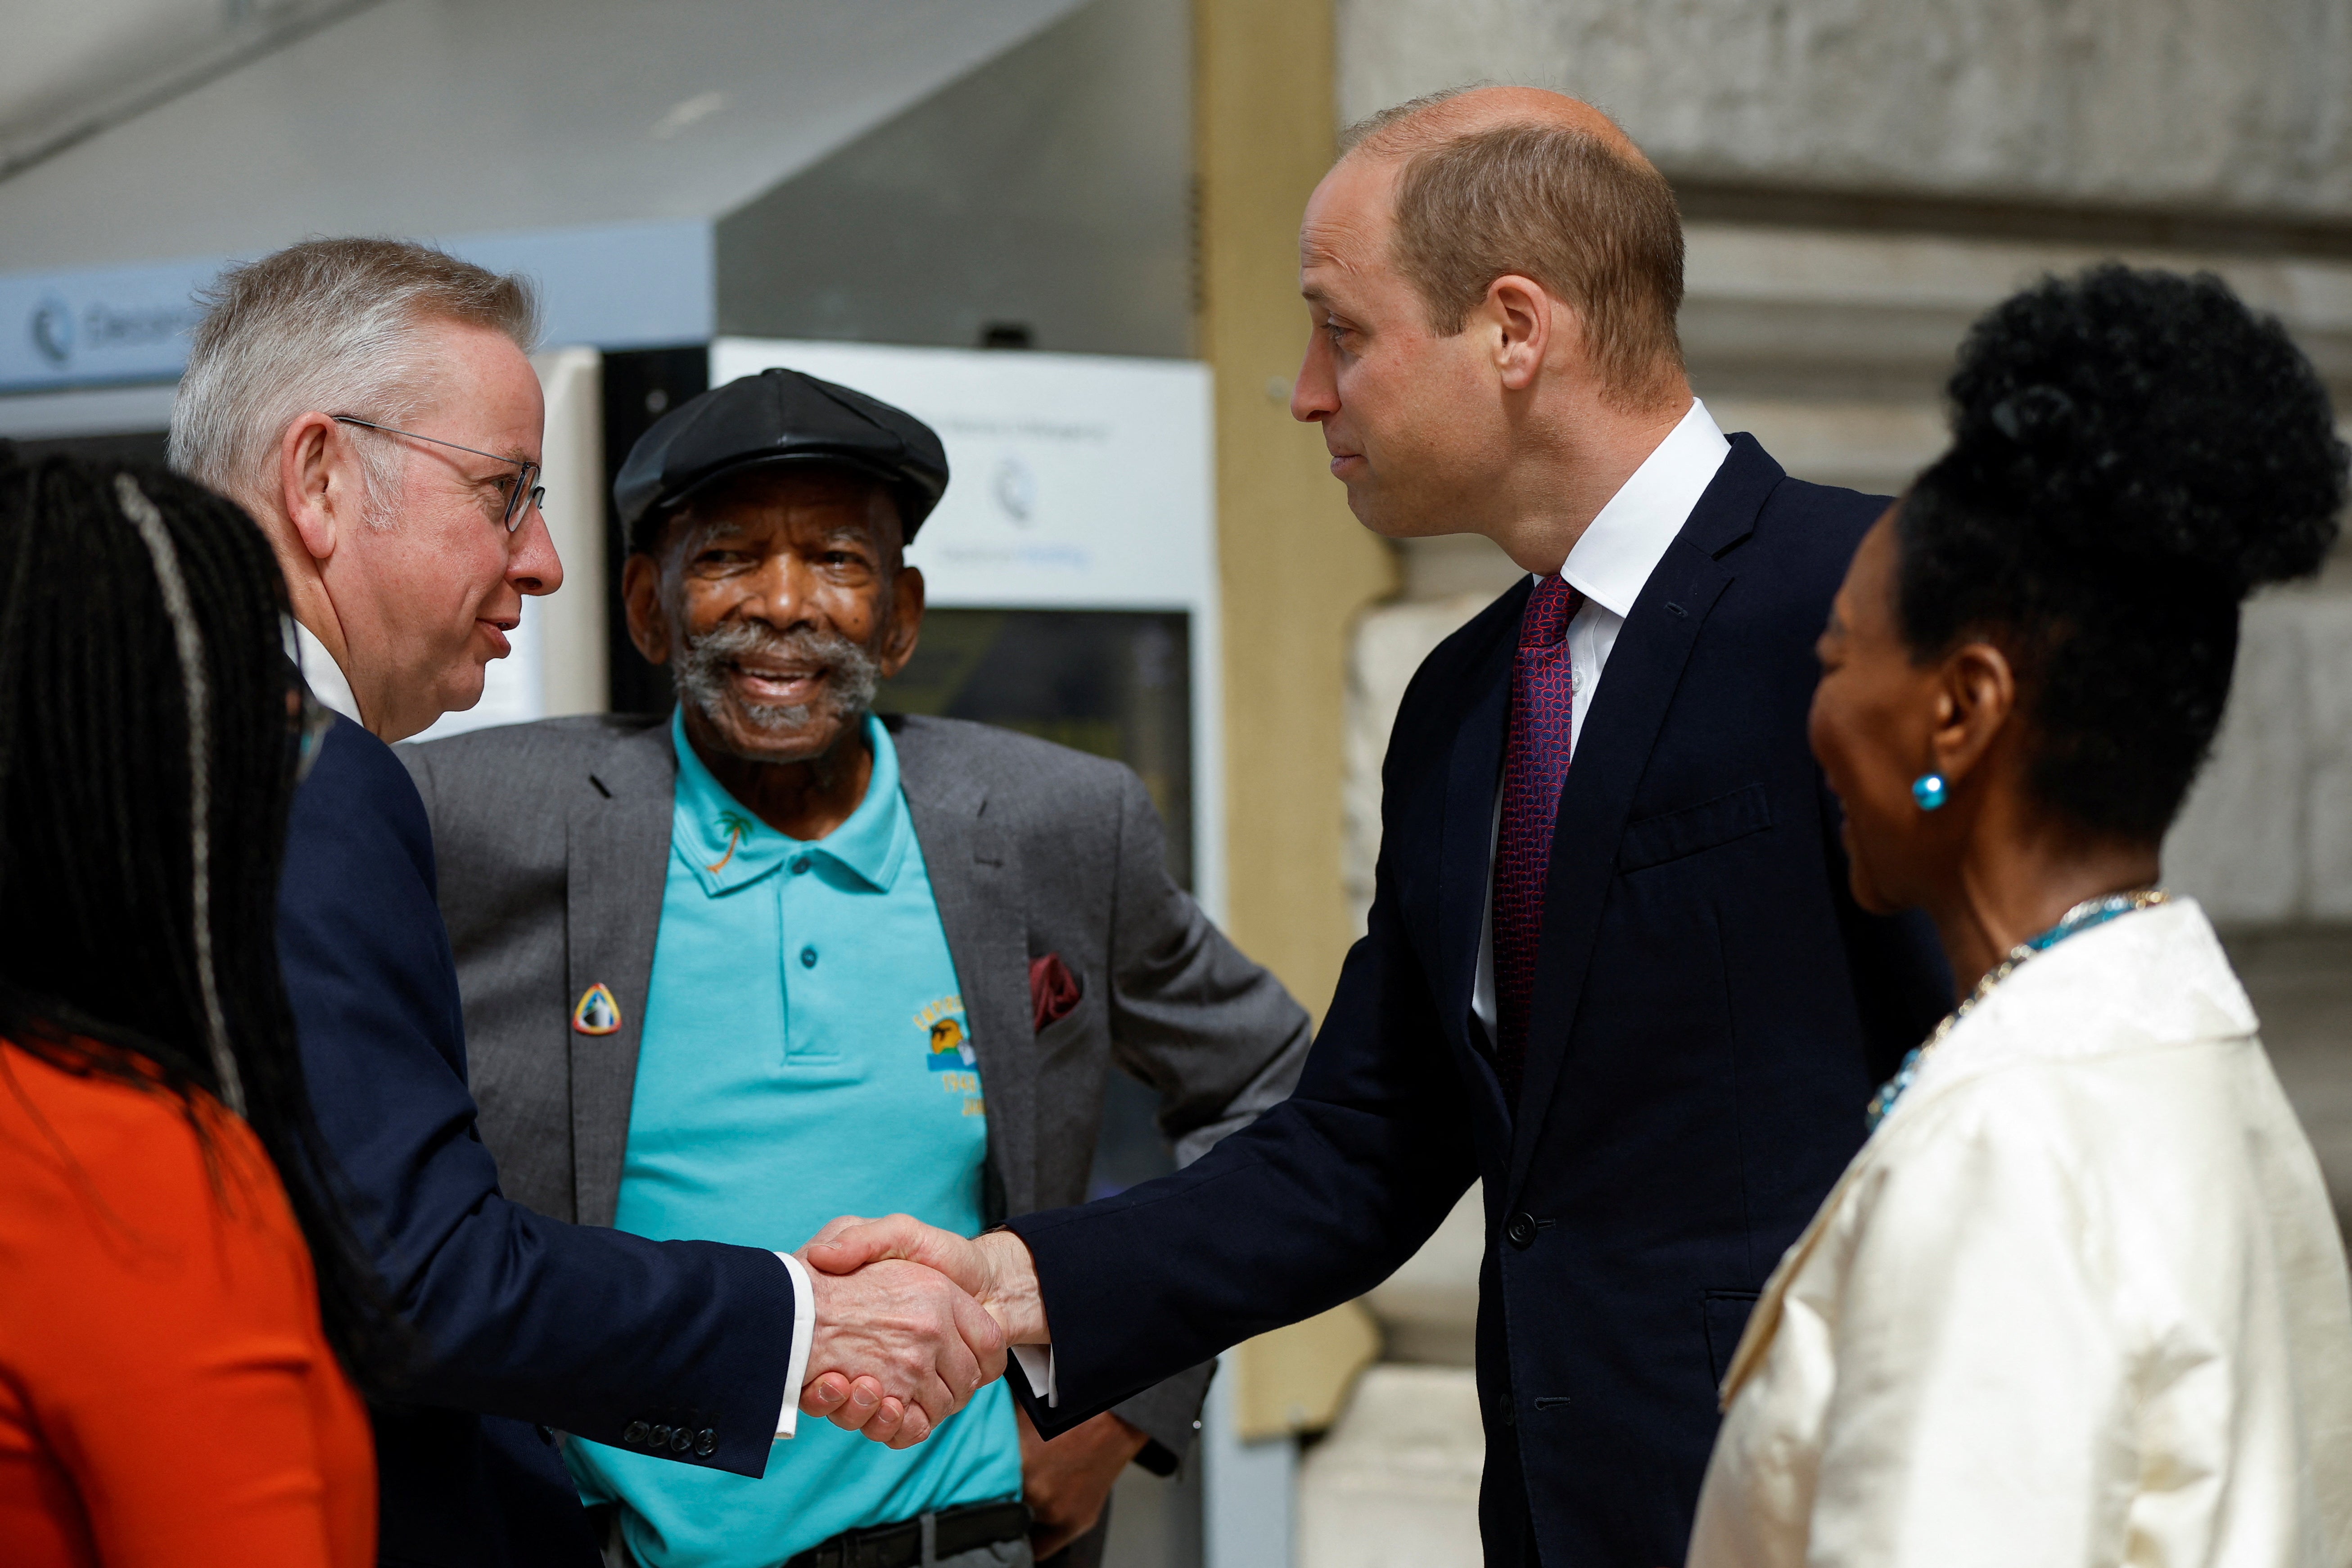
[916, 1348]
[994, 1272]
[994, 1269]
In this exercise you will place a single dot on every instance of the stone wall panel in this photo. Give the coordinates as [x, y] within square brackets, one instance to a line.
[2239, 845]
[2328, 797]
[2203, 103]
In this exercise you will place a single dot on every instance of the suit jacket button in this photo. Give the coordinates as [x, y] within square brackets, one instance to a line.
[636, 1433]
[1521, 1232]
[660, 1437]
[681, 1441]
[705, 1442]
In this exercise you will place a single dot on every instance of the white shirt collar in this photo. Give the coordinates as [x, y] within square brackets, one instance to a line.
[323, 674]
[1624, 544]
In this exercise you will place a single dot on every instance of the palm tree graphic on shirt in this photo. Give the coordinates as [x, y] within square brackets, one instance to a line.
[739, 827]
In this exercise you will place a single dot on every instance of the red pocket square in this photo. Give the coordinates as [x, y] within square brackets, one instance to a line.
[1052, 990]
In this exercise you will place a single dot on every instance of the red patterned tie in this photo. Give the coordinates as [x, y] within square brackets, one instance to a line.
[1535, 764]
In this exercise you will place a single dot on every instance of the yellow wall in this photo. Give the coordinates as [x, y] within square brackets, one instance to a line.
[1295, 566]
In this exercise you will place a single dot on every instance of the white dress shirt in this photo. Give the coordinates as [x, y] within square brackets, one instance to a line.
[804, 1332]
[1609, 565]
[324, 677]
[2079, 1301]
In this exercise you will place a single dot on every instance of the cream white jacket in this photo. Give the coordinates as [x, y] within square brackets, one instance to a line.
[2079, 1301]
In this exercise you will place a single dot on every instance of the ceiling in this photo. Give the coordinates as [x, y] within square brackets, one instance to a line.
[64, 54]
[237, 127]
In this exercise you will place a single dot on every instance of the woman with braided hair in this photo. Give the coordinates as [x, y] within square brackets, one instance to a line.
[2080, 1298]
[182, 1306]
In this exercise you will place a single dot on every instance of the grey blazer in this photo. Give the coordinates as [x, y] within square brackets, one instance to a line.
[553, 842]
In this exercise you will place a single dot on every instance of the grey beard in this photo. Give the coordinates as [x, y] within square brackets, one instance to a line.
[852, 674]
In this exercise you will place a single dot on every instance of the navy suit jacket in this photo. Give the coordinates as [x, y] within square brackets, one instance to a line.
[525, 1322]
[1711, 1012]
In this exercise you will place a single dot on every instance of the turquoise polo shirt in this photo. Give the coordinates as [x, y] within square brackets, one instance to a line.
[805, 1054]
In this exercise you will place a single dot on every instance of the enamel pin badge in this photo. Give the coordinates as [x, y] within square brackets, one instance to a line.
[597, 1013]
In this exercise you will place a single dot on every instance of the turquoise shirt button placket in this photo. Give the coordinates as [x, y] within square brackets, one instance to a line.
[769, 1103]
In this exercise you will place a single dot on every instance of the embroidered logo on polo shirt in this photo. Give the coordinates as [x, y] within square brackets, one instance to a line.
[737, 827]
[949, 1051]
[596, 1013]
[950, 1047]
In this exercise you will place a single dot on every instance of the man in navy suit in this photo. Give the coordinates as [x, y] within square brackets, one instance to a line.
[370, 404]
[1613, 970]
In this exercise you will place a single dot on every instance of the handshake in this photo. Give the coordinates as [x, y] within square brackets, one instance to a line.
[912, 1321]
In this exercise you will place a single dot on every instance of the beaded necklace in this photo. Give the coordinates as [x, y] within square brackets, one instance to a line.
[2082, 917]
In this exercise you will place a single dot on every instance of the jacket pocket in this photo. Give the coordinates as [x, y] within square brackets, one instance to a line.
[1726, 1316]
[1672, 835]
[1070, 1032]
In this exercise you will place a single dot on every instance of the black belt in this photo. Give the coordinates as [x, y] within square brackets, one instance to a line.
[953, 1530]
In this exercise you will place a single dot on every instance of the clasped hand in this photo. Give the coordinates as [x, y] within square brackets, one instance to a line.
[912, 1321]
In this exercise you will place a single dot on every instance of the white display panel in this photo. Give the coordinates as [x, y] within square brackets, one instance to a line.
[1078, 482]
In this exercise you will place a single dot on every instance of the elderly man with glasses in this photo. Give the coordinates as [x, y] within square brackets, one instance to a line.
[370, 404]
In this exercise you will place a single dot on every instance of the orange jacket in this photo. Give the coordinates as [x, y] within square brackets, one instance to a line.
[167, 1395]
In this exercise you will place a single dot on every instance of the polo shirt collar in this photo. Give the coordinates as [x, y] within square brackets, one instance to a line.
[728, 847]
[1624, 544]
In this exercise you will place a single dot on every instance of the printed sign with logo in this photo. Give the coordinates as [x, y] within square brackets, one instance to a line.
[1082, 480]
[117, 324]
[618, 285]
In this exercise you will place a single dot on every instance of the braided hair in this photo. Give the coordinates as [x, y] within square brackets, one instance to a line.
[2133, 452]
[150, 725]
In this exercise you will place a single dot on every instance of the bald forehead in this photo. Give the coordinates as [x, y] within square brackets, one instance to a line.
[1346, 219]
[1490, 108]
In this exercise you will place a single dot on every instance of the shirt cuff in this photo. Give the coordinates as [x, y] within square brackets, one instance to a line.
[803, 1334]
[1037, 1366]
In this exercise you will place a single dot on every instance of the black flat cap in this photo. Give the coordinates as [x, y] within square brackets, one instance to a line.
[775, 417]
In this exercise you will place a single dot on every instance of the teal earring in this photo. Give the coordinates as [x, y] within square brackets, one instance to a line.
[1928, 790]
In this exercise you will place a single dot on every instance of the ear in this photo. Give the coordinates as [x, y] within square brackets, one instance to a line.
[318, 483]
[1976, 701]
[641, 597]
[905, 620]
[1519, 313]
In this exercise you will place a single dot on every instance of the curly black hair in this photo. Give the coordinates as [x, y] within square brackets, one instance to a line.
[2133, 452]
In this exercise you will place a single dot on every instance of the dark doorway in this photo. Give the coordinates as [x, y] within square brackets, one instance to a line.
[640, 386]
[1116, 683]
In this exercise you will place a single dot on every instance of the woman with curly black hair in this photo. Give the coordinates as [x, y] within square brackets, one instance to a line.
[182, 1303]
[2081, 1298]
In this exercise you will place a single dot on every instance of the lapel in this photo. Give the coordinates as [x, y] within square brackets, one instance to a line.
[976, 883]
[1643, 670]
[1473, 775]
[617, 852]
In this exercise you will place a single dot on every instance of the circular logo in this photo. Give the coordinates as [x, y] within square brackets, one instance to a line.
[52, 329]
[1016, 489]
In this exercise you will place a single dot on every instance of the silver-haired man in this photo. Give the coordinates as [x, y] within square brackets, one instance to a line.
[371, 402]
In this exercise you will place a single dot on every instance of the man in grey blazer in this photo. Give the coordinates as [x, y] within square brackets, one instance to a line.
[731, 974]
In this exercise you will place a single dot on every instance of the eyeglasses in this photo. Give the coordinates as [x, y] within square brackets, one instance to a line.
[528, 492]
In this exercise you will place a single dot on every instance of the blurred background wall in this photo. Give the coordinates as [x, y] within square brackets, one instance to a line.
[1123, 178]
